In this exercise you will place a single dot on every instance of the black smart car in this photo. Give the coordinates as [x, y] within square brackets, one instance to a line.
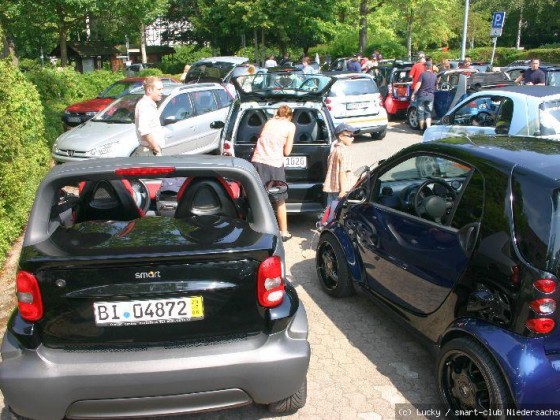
[460, 239]
[128, 309]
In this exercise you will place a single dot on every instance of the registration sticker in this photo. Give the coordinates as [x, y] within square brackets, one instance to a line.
[154, 311]
[295, 161]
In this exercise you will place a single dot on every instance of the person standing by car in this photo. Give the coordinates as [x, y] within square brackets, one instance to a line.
[418, 68]
[146, 119]
[307, 69]
[275, 142]
[339, 178]
[354, 64]
[271, 62]
[534, 75]
[425, 88]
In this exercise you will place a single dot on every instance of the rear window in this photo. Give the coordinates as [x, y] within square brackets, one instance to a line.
[536, 215]
[549, 118]
[353, 87]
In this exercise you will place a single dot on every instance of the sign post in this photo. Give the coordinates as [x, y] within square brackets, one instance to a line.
[498, 20]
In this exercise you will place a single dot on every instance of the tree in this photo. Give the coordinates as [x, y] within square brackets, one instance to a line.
[366, 8]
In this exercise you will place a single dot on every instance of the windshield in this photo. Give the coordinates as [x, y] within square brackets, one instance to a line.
[550, 118]
[121, 111]
[553, 78]
[119, 89]
[294, 83]
[215, 70]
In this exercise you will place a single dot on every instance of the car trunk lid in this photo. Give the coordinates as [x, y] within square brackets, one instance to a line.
[115, 283]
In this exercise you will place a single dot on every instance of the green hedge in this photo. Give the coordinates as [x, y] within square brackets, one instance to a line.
[24, 154]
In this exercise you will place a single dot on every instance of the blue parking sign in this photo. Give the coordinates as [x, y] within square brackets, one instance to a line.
[498, 20]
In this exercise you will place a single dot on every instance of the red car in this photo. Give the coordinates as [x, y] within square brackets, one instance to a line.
[395, 86]
[80, 112]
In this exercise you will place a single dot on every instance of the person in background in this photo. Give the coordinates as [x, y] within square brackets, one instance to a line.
[418, 68]
[339, 178]
[285, 60]
[146, 119]
[271, 62]
[377, 55]
[307, 69]
[354, 64]
[185, 71]
[467, 63]
[534, 75]
[274, 143]
[247, 83]
[445, 64]
[425, 88]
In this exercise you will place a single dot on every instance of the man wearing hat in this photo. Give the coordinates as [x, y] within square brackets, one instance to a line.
[340, 178]
[425, 88]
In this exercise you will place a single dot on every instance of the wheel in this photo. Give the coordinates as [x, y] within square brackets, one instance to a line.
[332, 268]
[469, 378]
[379, 136]
[141, 194]
[412, 118]
[292, 403]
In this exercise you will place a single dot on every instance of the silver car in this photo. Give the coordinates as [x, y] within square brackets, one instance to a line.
[532, 111]
[186, 113]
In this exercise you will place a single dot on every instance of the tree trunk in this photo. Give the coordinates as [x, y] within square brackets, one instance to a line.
[263, 50]
[8, 47]
[363, 26]
[519, 28]
[256, 44]
[409, 25]
[143, 43]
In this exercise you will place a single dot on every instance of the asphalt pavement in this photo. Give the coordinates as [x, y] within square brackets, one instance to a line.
[364, 365]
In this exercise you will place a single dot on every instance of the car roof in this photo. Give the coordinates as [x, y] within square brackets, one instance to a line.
[540, 156]
[535, 91]
[347, 75]
[223, 59]
[141, 79]
[169, 89]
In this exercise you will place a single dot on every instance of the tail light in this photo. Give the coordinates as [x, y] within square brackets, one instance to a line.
[472, 104]
[545, 285]
[540, 325]
[164, 170]
[228, 149]
[543, 306]
[30, 303]
[270, 282]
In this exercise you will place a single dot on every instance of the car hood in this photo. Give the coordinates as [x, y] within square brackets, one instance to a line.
[91, 105]
[92, 134]
[297, 86]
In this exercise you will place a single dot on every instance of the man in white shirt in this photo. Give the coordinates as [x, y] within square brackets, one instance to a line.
[271, 62]
[148, 127]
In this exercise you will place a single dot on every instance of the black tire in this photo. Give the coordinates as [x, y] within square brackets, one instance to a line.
[379, 136]
[292, 403]
[332, 268]
[412, 118]
[469, 378]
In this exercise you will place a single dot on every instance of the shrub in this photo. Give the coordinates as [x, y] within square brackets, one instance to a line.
[24, 155]
[188, 54]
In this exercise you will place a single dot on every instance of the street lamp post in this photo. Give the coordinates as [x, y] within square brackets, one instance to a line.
[465, 24]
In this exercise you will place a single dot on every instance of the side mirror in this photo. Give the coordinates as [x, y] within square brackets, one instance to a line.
[169, 120]
[446, 119]
[216, 125]
[357, 196]
[276, 187]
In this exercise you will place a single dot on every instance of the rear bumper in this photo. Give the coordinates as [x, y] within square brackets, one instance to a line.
[154, 381]
[305, 197]
[366, 124]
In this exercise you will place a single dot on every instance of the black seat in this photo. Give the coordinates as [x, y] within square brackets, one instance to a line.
[107, 200]
[306, 126]
[251, 126]
[205, 196]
